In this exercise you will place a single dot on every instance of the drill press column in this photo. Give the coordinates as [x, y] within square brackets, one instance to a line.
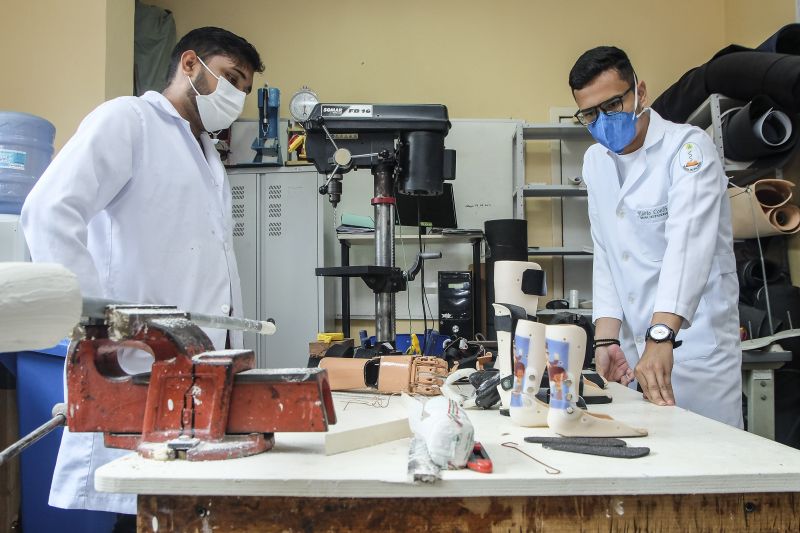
[384, 206]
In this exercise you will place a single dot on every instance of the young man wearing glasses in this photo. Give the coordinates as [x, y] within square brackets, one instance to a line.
[665, 289]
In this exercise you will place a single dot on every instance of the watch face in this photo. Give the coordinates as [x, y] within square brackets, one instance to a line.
[659, 332]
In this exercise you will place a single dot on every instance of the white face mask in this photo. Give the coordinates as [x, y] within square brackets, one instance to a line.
[219, 109]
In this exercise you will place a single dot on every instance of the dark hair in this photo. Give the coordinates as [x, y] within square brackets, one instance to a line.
[211, 41]
[594, 62]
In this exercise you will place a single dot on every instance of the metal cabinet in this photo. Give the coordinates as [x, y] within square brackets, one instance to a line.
[278, 240]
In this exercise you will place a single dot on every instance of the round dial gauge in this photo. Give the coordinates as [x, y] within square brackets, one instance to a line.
[302, 103]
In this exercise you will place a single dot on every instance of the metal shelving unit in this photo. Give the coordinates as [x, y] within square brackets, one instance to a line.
[542, 190]
[534, 251]
[568, 193]
[549, 132]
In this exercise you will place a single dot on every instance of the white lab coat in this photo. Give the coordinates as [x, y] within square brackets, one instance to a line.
[663, 243]
[140, 213]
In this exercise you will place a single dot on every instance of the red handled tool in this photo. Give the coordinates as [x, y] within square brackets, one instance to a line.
[479, 460]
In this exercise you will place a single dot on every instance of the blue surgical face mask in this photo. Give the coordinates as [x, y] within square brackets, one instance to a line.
[616, 131]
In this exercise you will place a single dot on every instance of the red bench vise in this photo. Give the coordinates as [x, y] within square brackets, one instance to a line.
[195, 403]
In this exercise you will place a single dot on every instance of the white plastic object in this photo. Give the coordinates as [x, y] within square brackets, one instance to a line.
[530, 360]
[40, 304]
[508, 285]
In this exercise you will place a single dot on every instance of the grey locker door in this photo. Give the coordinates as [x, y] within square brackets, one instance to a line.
[244, 197]
[289, 234]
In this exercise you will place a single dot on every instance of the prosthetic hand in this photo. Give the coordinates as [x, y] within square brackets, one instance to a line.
[389, 373]
[566, 345]
[530, 359]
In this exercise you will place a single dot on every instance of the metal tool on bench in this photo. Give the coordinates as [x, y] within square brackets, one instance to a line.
[267, 145]
[403, 146]
[195, 403]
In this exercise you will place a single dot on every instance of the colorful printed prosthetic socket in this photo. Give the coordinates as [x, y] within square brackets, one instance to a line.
[517, 287]
[566, 345]
[530, 359]
[506, 318]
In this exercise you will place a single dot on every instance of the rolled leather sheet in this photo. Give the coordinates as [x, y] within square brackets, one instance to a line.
[771, 192]
[785, 41]
[751, 275]
[738, 73]
[767, 202]
[507, 240]
[758, 130]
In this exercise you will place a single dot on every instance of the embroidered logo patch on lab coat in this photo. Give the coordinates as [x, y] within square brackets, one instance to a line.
[653, 214]
[691, 157]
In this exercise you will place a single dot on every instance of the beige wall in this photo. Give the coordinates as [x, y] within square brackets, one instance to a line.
[483, 59]
[62, 59]
[750, 22]
[508, 58]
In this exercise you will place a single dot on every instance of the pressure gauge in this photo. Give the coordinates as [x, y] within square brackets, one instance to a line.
[302, 103]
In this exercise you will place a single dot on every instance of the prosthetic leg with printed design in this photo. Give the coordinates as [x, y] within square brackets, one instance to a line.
[517, 287]
[506, 317]
[530, 360]
[566, 346]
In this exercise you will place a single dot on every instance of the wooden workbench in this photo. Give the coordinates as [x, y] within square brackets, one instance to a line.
[700, 476]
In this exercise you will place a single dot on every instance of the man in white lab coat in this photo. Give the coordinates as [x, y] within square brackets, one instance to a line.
[665, 292]
[137, 204]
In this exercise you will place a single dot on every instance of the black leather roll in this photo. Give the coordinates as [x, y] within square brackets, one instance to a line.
[683, 96]
[752, 277]
[507, 239]
[738, 73]
[759, 130]
[785, 41]
[745, 75]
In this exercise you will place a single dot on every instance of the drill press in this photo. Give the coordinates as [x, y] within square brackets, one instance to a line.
[403, 146]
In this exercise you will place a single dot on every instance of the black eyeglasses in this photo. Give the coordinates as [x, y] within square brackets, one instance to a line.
[612, 106]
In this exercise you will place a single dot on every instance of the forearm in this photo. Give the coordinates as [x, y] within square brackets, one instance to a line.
[670, 319]
[607, 328]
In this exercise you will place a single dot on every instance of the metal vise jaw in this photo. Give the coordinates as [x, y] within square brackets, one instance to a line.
[195, 403]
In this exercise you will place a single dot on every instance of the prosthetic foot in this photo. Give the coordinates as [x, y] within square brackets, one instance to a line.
[530, 359]
[565, 353]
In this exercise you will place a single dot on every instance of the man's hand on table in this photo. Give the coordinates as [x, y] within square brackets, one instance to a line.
[611, 364]
[654, 372]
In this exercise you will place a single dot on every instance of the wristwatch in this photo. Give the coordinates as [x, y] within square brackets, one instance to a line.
[662, 333]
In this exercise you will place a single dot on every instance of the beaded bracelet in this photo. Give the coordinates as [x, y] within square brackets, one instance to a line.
[601, 343]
